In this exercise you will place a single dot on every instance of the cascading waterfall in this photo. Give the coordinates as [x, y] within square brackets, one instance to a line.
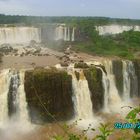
[4, 86]
[12, 97]
[23, 116]
[73, 35]
[105, 82]
[68, 36]
[129, 77]
[112, 98]
[17, 99]
[126, 80]
[19, 35]
[83, 103]
[64, 33]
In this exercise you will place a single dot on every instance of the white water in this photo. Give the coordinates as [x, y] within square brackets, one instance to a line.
[63, 33]
[19, 99]
[112, 100]
[83, 103]
[73, 35]
[23, 112]
[68, 34]
[105, 82]
[4, 86]
[126, 80]
[115, 29]
[128, 70]
[19, 35]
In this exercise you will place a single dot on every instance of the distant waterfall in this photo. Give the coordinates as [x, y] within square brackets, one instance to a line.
[68, 35]
[129, 80]
[19, 35]
[65, 34]
[83, 103]
[115, 29]
[62, 32]
[73, 35]
[112, 98]
[4, 86]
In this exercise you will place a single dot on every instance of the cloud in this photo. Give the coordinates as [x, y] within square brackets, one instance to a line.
[72, 8]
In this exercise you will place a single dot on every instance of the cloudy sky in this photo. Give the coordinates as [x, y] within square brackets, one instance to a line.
[108, 8]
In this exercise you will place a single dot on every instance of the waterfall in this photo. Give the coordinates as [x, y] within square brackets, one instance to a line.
[126, 80]
[115, 29]
[62, 32]
[105, 82]
[73, 35]
[12, 97]
[68, 35]
[65, 33]
[4, 86]
[129, 80]
[17, 98]
[112, 98]
[83, 103]
[22, 100]
[19, 35]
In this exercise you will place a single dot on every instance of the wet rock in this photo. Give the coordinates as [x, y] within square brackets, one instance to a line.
[81, 65]
[137, 71]
[64, 64]
[6, 48]
[94, 78]
[118, 72]
[54, 89]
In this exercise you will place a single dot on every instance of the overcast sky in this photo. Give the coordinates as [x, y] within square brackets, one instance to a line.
[108, 8]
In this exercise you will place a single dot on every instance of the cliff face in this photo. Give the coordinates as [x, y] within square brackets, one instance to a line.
[54, 89]
[137, 70]
[118, 72]
[94, 78]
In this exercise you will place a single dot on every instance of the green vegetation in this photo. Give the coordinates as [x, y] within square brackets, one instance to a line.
[35, 20]
[132, 117]
[105, 132]
[124, 45]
